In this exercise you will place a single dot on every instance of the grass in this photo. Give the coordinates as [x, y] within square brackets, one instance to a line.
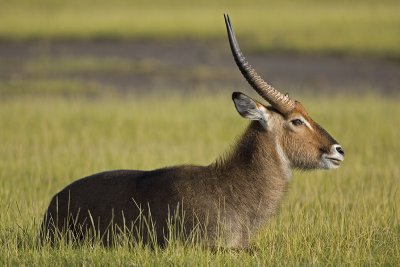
[349, 216]
[54, 129]
[307, 26]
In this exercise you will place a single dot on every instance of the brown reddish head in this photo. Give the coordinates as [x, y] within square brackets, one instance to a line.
[298, 139]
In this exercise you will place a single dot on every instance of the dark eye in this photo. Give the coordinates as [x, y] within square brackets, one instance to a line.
[297, 122]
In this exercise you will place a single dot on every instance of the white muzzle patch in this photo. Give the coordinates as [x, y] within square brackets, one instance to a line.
[332, 159]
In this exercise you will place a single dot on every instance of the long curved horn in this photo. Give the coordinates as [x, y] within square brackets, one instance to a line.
[278, 100]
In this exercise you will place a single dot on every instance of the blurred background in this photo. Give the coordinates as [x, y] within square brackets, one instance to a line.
[89, 47]
[94, 85]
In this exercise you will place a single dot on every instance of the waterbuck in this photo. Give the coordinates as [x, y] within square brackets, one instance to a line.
[229, 199]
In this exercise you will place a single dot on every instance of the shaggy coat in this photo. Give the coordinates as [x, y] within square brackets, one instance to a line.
[223, 203]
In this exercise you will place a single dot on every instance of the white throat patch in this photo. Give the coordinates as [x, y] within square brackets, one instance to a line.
[285, 163]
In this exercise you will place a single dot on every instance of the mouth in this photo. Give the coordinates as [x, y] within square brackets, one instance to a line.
[334, 161]
[330, 162]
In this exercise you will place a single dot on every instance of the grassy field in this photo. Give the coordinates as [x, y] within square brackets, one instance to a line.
[347, 27]
[56, 126]
[349, 216]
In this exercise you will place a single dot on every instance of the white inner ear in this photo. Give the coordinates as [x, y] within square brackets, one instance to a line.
[251, 110]
[264, 116]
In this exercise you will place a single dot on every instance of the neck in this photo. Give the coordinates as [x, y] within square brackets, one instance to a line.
[255, 174]
[258, 154]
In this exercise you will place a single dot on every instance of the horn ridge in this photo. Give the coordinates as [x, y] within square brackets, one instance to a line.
[280, 101]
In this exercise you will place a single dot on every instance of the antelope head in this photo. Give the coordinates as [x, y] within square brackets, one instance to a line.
[298, 138]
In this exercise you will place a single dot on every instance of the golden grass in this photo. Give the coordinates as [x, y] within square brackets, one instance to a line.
[349, 216]
[350, 27]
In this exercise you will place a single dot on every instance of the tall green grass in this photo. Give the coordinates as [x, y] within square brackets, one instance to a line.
[352, 27]
[349, 216]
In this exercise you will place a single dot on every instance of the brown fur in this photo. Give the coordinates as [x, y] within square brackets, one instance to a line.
[238, 192]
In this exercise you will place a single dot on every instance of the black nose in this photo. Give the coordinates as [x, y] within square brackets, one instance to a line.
[340, 150]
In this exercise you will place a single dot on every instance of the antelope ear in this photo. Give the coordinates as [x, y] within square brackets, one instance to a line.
[249, 108]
